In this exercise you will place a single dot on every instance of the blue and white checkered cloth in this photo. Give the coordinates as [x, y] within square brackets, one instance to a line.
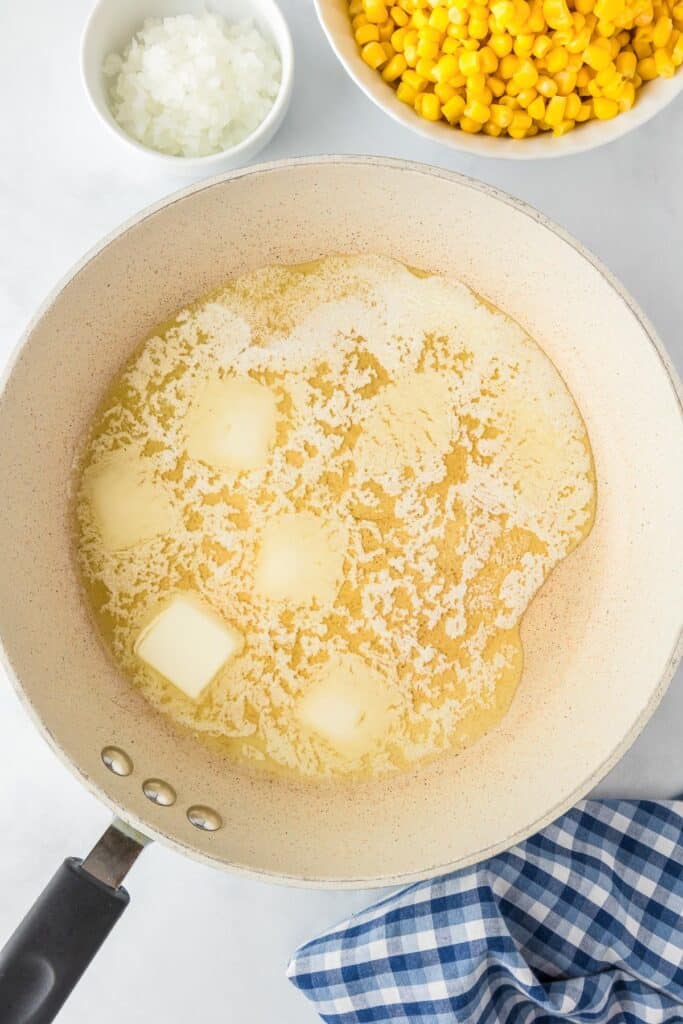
[583, 922]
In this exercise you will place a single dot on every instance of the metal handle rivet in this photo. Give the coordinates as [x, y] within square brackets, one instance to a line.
[159, 792]
[204, 818]
[117, 761]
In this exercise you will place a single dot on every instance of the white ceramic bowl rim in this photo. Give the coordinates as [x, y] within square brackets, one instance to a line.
[282, 40]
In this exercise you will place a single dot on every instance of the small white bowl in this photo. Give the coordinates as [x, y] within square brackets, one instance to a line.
[110, 28]
[652, 98]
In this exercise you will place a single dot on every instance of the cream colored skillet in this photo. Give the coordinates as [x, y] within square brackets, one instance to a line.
[601, 639]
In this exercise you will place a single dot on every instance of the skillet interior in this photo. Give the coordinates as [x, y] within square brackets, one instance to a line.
[600, 638]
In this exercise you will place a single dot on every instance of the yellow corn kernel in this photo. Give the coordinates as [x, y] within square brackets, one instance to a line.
[664, 63]
[642, 48]
[520, 119]
[492, 129]
[583, 6]
[557, 14]
[469, 62]
[628, 97]
[501, 115]
[374, 55]
[386, 30]
[394, 68]
[572, 106]
[608, 76]
[524, 44]
[359, 21]
[470, 126]
[399, 16]
[478, 29]
[556, 60]
[536, 22]
[537, 109]
[509, 101]
[585, 113]
[425, 67]
[355, 7]
[407, 5]
[487, 60]
[542, 45]
[626, 63]
[555, 110]
[375, 11]
[526, 97]
[677, 53]
[476, 82]
[444, 91]
[406, 94]
[508, 66]
[445, 68]
[367, 34]
[512, 89]
[583, 77]
[503, 11]
[458, 32]
[644, 33]
[501, 44]
[605, 29]
[677, 12]
[563, 127]
[546, 86]
[605, 109]
[439, 18]
[526, 74]
[647, 69]
[609, 10]
[398, 39]
[470, 44]
[451, 46]
[416, 82]
[420, 19]
[477, 111]
[457, 17]
[428, 106]
[453, 109]
[427, 48]
[578, 43]
[496, 86]
[596, 56]
[662, 32]
[566, 81]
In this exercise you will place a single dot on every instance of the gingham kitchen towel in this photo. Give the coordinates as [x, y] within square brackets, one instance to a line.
[583, 922]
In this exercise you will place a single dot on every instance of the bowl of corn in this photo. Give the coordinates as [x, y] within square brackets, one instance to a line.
[518, 79]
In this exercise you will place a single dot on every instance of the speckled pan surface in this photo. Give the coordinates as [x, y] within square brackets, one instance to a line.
[600, 640]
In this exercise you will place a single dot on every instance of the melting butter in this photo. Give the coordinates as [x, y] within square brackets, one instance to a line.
[367, 473]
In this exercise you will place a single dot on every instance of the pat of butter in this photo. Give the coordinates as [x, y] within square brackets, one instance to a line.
[231, 424]
[348, 704]
[127, 505]
[187, 643]
[301, 559]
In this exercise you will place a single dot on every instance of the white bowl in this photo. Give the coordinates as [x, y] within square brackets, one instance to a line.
[654, 96]
[110, 28]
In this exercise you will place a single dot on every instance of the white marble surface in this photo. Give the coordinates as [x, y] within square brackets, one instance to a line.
[196, 943]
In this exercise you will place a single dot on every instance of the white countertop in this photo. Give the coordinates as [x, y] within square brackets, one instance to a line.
[197, 943]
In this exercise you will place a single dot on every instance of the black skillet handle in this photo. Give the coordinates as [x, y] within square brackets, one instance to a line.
[54, 944]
